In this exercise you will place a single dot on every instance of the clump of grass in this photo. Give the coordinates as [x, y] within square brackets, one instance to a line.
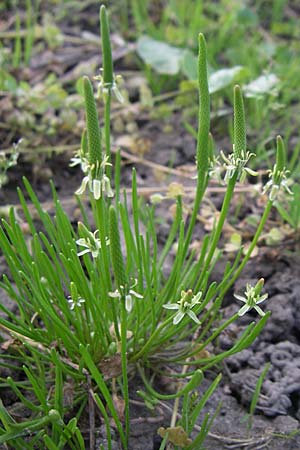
[98, 293]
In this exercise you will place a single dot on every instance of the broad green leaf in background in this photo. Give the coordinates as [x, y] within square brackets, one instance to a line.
[164, 58]
[223, 78]
[189, 65]
[170, 60]
[261, 85]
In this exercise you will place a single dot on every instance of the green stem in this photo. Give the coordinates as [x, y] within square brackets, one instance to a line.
[193, 383]
[251, 248]
[124, 367]
[151, 339]
[214, 335]
[176, 402]
[200, 190]
[219, 227]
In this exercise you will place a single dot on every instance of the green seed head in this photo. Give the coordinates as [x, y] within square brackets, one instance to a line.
[107, 63]
[239, 125]
[280, 154]
[202, 155]
[92, 122]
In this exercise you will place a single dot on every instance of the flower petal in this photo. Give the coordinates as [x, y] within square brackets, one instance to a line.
[259, 310]
[128, 303]
[262, 299]
[135, 294]
[171, 306]
[87, 250]
[193, 316]
[107, 187]
[82, 242]
[82, 188]
[179, 316]
[239, 297]
[97, 189]
[115, 294]
[243, 310]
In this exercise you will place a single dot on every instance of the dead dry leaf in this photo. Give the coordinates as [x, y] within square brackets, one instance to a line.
[119, 405]
[176, 435]
[111, 367]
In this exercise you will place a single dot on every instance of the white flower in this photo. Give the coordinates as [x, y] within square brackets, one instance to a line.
[156, 198]
[215, 168]
[75, 303]
[96, 179]
[252, 298]
[106, 187]
[184, 306]
[105, 88]
[278, 182]
[80, 159]
[91, 243]
[232, 163]
[128, 293]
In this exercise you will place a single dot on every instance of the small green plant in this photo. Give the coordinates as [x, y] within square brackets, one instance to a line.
[99, 293]
[28, 34]
[255, 397]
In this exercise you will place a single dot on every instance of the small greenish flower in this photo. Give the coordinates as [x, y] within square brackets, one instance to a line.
[105, 88]
[80, 159]
[96, 179]
[75, 303]
[128, 293]
[75, 300]
[278, 182]
[233, 163]
[185, 305]
[215, 168]
[156, 198]
[91, 244]
[252, 298]
[278, 176]
[81, 156]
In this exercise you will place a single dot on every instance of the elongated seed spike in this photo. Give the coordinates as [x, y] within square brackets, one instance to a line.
[204, 110]
[280, 154]
[115, 248]
[239, 125]
[107, 63]
[92, 123]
